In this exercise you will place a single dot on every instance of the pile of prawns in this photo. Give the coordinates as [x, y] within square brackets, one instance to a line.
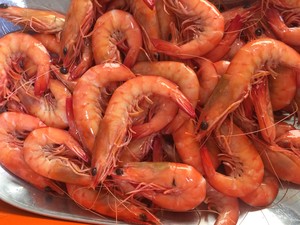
[130, 107]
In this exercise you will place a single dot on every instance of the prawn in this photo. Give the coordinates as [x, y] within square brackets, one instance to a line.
[89, 98]
[53, 153]
[14, 128]
[289, 35]
[78, 23]
[181, 75]
[234, 86]
[51, 107]
[116, 121]
[15, 44]
[114, 29]
[245, 167]
[202, 28]
[37, 20]
[173, 186]
[281, 162]
[112, 205]
[227, 207]
[265, 194]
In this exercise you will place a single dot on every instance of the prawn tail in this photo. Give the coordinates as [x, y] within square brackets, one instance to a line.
[165, 47]
[42, 82]
[131, 57]
[185, 104]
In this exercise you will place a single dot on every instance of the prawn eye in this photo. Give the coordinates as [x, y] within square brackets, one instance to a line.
[94, 171]
[3, 6]
[119, 171]
[143, 217]
[259, 32]
[63, 70]
[65, 50]
[203, 125]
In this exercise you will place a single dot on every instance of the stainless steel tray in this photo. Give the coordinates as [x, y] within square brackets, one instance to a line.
[285, 209]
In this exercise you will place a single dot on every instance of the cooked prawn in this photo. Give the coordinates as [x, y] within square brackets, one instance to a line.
[15, 44]
[239, 154]
[173, 186]
[235, 84]
[40, 21]
[281, 162]
[53, 153]
[116, 28]
[202, 28]
[109, 204]
[14, 128]
[289, 35]
[78, 23]
[227, 207]
[116, 121]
